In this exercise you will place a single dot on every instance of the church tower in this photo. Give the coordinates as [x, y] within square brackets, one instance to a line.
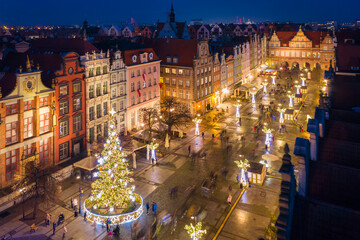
[172, 14]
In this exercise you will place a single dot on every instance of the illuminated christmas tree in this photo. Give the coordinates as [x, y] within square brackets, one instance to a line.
[112, 190]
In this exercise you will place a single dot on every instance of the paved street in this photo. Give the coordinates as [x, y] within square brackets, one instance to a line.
[250, 216]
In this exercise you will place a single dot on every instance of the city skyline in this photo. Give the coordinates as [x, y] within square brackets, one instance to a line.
[20, 13]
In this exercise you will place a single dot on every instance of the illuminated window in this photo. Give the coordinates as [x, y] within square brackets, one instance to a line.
[64, 128]
[11, 132]
[64, 148]
[28, 127]
[28, 105]
[11, 164]
[44, 101]
[44, 151]
[11, 109]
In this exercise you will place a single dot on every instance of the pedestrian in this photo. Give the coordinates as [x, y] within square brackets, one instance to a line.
[75, 204]
[237, 178]
[203, 135]
[241, 185]
[147, 208]
[110, 234]
[229, 199]
[108, 222]
[72, 203]
[213, 136]
[84, 215]
[189, 148]
[64, 231]
[154, 208]
[152, 161]
[230, 188]
[54, 227]
[47, 219]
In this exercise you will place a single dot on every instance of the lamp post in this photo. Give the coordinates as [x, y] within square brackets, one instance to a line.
[303, 80]
[281, 111]
[195, 231]
[291, 97]
[253, 92]
[197, 120]
[297, 86]
[81, 192]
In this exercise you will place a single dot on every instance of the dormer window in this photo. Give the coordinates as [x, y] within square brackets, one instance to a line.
[168, 59]
[151, 56]
[134, 58]
[175, 60]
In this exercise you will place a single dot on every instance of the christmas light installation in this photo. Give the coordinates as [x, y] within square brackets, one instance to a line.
[253, 92]
[197, 120]
[153, 146]
[281, 111]
[291, 101]
[265, 83]
[302, 79]
[297, 86]
[195, 231]
[237, 105]
[273, 80]
[243, 165]
[268, 133]
[112, 196]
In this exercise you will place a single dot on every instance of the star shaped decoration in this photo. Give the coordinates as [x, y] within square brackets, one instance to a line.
[112, 112]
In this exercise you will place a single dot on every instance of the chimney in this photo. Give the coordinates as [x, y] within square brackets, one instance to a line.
[302, 149]
[313, 129]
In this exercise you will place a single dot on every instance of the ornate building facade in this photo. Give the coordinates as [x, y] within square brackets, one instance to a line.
[305, 49]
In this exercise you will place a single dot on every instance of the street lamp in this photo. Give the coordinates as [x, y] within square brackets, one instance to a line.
[195, 231]
[273, 79]
[281, 111]
[243, 165]
[197, 120]
[81, 192]
[303, 80]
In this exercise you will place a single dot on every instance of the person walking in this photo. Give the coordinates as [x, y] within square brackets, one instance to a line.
[203, 135]
[237, 178]
[64, 231]
[84, 215]
[229, 199]
[189, 148]
[147, 208]
[108, 222]
[47, 219]
[72, 203]
[54, 227]
[154, 208]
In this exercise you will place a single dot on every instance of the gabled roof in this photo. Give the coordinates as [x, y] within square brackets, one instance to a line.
[128, 56]
[185, 49]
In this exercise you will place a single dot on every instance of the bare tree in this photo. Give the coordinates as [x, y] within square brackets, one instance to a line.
[150, 117]
[38, 182]
[174, 113]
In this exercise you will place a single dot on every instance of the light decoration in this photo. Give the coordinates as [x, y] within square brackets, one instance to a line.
[243, 165]
[197, 120]
[268, 133]
[265, 83]
[273, 80]
[253, 92]
[153, 146]
[196, 232]
[297, 86]
[281, 111]
[291, 101]
[112, 193]
[237, 105]
[302, 79]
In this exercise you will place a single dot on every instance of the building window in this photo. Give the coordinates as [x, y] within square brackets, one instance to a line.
[132, 74]
[11, 109]
[11, 133]
[138, 85]
[27, 150]
[28, 105]
[63, 107]
[149, 95]
[138, 99]
[149, 84]
[98, 130]
[91, 91]
[104, 69]
[105, 108]
[76, 87]
[198, 82]
[173, 71]
[63, 128]
[155, 81]
[64, 90]
[167, 92]
[28, 127]
[168, 59]
[77, 104]
[181, 71]
[206, 80]
[132, 87]
[132, 100]
[180, 93]
[173, 82]
[77, 123]
[98, 70]
[180, 82]
[121, 91]
[187, 95]
[44, 123]
[105, 88]
[121, 105]
[91, 72]
[91, 113]
[187, 83]
[44, 151]
[149, 70]
[113, 92]
[167, 81]
[98, 89]
[91, 135]
[175, 60]
[105, 129]
[11, 164]
[98, 111]
[154, 69]
[144, 84]
[44, 101]
[63, 150]
[138, 72]
[144, 97]
[167, 70]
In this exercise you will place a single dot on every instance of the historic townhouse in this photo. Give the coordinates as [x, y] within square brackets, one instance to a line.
[245, 63]
[216, 79]
[26, 122]
[143, 78]
[118, 90]
[97, 80]
[237, 64]
[305, 49]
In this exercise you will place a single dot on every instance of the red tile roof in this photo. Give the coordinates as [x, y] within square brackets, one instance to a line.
[128, 56]
[286, 37]
[60, 45]
[348, 56]
[185, 49]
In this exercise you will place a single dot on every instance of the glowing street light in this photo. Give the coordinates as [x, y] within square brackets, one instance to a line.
[303, 80]
[297, 86]
[267, 132]
[291, 101]
[195, 231]
[281, 111]
[237, 105]
[197, 121]
[243, 165]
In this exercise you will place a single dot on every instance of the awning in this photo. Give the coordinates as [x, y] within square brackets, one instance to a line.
[88, 163]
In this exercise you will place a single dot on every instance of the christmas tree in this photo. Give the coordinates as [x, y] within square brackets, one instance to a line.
[112, 190]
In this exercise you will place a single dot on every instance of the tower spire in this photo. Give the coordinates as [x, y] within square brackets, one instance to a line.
[172, 14]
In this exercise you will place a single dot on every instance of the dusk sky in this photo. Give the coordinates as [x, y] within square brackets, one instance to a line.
[48, 12]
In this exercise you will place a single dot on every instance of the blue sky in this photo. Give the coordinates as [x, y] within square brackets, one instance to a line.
[68, 12]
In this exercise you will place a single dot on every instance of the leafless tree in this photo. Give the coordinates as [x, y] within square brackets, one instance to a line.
[174, 113]
[37, 182]
[150, 117]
